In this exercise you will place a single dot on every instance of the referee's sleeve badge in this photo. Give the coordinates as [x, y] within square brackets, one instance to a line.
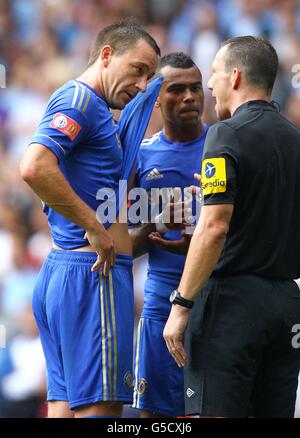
[214, 176]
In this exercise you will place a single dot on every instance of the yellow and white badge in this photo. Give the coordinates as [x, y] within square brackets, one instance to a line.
[214, 176]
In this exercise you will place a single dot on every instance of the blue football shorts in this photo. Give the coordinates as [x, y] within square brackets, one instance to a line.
[86, 325]
[159, 386]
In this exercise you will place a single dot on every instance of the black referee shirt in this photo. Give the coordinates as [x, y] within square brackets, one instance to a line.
[252, 160]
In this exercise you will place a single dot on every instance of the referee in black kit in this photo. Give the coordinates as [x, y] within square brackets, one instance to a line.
[241, 359]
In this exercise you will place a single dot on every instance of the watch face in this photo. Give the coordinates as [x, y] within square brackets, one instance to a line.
[172, 296]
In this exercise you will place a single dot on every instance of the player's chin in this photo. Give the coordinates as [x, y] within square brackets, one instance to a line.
[117, 105]
[118, 102]
[122, 101]
[189, 118]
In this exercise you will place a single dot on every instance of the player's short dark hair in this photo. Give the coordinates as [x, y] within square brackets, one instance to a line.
[176, 60]
[121, 37]
[256, 57]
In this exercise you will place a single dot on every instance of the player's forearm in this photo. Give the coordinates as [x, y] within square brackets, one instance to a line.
[204, 252]
[140, 241]
[53, 189]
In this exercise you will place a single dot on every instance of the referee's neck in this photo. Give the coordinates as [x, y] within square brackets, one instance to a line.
[241, 97]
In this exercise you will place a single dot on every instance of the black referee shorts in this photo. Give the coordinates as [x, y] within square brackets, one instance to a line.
[243, 358]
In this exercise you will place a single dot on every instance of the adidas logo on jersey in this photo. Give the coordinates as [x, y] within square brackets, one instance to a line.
[154, 174]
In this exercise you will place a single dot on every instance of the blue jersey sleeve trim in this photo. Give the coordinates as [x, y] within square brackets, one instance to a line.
[82, 94]
[51, 144]
[75, 95]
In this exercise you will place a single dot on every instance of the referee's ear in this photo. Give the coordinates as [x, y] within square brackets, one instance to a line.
[157, 102]
[235, 79]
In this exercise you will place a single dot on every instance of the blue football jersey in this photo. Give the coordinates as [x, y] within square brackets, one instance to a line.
[164, 164]
[79, 129]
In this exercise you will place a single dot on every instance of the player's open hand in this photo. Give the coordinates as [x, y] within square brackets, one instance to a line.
[179, 246]
[103, 244]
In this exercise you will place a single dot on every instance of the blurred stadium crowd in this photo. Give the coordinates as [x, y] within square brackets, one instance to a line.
[44, 43]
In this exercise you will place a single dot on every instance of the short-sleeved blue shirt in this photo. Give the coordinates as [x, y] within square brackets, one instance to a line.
[165, 164]
[79, 129]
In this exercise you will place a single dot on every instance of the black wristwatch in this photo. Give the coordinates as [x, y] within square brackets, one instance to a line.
[176, 298]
